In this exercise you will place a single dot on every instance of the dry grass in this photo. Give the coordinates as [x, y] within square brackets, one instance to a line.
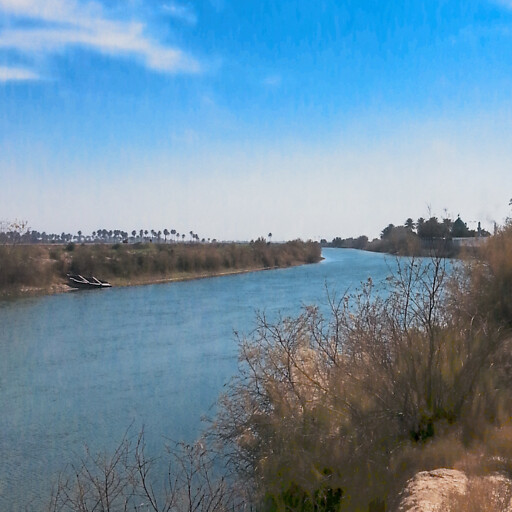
[483, 494]
[379, 390]
[32, 267]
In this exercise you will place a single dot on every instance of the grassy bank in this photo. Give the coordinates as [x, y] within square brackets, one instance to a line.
[43, 268]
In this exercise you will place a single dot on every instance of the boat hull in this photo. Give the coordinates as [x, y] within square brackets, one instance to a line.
[86, 283]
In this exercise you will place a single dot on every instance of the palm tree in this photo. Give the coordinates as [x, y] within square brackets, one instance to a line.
[166, 234]
[409, 224]
[173, 233]
[270, 236]
[420, 223]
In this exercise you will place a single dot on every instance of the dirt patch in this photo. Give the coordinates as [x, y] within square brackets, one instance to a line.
[450, 490]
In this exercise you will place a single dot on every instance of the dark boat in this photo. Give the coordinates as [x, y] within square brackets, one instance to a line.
[89, 283]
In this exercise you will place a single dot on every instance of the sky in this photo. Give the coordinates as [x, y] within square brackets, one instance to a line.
[236, 118]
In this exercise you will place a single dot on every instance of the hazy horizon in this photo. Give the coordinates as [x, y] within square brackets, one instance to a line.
[304, 119]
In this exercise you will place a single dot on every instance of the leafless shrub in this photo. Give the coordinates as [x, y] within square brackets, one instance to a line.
[126, 480]
[345, 394]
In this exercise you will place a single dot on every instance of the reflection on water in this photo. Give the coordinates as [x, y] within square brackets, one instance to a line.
[81, 367]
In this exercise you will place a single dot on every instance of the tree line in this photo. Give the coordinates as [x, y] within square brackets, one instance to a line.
[19, 232]
[414, 237]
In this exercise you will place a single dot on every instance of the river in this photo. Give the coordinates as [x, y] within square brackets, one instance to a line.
[82, 367]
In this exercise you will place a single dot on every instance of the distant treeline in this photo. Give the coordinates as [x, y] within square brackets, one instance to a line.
[415, 238]
[40, 266]
[19, 232]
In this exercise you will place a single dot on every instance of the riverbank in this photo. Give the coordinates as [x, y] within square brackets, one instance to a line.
[41, 269]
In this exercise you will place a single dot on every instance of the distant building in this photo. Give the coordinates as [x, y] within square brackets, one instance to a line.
[459, 229]
[468, 241]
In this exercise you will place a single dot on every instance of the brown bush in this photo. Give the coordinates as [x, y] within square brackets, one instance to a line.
[369, 388]
[37, 266]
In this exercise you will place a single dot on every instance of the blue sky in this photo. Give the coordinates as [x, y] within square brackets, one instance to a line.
[236, 118]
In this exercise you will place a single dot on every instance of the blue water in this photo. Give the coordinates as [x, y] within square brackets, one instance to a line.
[82, 367]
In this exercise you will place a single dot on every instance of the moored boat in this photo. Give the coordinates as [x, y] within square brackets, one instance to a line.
[90, 283]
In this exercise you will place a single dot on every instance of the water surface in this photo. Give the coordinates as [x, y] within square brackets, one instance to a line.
[82, 367]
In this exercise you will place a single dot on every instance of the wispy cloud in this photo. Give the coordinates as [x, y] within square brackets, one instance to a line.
[182, 12]
[272, 81]
[13, 74]
[57, 25]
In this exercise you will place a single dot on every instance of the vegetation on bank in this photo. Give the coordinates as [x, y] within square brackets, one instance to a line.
[416, 238]
[335, 412]
[38, 266]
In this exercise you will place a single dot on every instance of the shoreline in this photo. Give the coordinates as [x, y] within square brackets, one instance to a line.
[42, 270]
[61, 287]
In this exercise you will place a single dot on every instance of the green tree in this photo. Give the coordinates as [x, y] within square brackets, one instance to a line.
[431, 229]
[419, 224]
[386, 232]
[409, 224]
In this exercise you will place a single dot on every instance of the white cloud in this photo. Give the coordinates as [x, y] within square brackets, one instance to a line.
[67, 23]
[181, 12]
[70, 11]
[12, 74]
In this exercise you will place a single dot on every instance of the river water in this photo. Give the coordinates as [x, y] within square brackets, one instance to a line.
[82, 367]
